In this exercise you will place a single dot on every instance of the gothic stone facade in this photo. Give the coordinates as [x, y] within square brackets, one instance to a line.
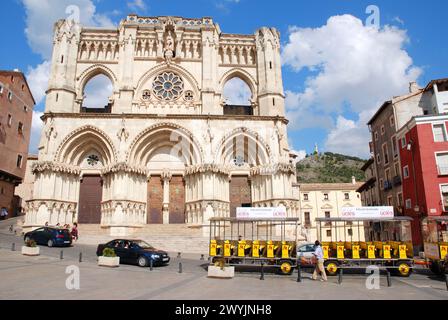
[166, 149]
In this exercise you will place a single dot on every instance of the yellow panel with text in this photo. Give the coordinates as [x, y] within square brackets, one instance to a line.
[213, 247]
[371, 252]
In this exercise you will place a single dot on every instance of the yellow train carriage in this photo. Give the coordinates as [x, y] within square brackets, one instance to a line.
[435, 237]
[358, 243]
[252, 242]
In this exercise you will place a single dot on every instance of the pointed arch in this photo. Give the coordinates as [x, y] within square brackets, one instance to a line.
[246, 143]
[179, 140]
[92, 72]
[243, 75]
[75, 146]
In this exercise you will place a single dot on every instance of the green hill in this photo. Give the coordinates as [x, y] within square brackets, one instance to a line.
[330, 168]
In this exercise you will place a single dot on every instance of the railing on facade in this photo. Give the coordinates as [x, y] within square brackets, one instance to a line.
[387, 185]
[397, 181]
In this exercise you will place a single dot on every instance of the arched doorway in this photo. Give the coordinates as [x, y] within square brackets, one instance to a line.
[165, 150]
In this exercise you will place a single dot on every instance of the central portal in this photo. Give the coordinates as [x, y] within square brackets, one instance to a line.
[166, 194]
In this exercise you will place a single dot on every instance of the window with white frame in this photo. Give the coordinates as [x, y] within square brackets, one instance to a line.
[408, 204]
[442, 163]
[1, 88]
[10, 96]
[383, 130]
[444, 191]
[406, 172]
[305, 197]
[392, 121]
[439, 132]
[403, 142]
[376, 135]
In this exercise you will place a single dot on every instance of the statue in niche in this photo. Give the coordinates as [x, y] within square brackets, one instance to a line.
[169, 47]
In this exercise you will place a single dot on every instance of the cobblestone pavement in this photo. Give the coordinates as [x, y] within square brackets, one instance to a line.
[44, 277]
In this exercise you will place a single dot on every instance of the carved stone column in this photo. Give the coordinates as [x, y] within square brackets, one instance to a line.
[166, 177]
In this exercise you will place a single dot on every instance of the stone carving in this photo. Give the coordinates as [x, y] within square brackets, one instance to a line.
[43, 166]
[123, 133]
[124, 167]
[169, 49]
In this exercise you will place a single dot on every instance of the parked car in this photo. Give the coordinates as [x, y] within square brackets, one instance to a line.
[136, 252]
[49, 236]
[305, 254]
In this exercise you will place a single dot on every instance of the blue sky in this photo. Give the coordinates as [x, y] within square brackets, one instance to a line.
[337, 70]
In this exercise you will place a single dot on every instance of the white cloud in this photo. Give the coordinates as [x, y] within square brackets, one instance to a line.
[38, 80]
[36, 131]
[349, 137]
[42, 14]
[137, 5]
[301, 154]
[352, 66]
[97, 92]
[237, 92]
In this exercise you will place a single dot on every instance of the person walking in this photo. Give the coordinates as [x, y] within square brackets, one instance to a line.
[75, 232]
[319, 255]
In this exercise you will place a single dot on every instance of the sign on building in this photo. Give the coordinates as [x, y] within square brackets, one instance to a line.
[367, 212]
[261, 213]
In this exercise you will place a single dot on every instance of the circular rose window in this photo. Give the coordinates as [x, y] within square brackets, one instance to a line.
[168, 86]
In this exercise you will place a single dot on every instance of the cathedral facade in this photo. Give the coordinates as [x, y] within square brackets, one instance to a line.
[166, 148]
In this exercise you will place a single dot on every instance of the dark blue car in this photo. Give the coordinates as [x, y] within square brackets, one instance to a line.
[135, 252]
[49, 236]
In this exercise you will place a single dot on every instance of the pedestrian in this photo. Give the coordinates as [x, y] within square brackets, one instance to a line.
[3, 214]
[46, 224]
[319, 256]
[75, 231]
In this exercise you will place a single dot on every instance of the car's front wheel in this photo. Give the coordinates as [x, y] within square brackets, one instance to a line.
[142, 262]
[50, 243]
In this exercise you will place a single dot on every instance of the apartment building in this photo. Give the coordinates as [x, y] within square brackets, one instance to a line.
[16, 113]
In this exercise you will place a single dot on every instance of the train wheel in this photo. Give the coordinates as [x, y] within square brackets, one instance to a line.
[286, 267]
[331, 268]
[404, 269]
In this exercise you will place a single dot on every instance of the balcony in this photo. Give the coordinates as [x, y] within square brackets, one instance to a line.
[396, 181]
[387, 185]
[442, 170]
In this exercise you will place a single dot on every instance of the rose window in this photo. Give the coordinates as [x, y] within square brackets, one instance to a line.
[93, 160]
[168, 86]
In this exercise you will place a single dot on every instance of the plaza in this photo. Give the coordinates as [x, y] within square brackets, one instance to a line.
[44, 277]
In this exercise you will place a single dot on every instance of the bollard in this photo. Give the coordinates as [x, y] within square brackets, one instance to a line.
[151, 264]
[202, 257]
[262, 271]
[208, 259]
[80, 257]
[13, 247]
[61, 256]
[180, 267]
[299, 272]
[446, 281]
[178, 254]
[341, 273]
[15, 232]
[389, 279]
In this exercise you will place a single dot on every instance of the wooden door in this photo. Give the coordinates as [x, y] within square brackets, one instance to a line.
[177, 200]
[155, 200]
[90, 196]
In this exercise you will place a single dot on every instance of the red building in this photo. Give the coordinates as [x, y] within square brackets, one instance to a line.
[423, 147]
